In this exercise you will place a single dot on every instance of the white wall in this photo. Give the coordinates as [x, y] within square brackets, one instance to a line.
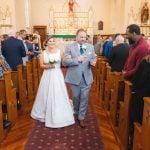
[100, 8]
[20, 14]
[11, 5]
[114, 13]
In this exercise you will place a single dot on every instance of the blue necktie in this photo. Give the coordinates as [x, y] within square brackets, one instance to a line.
[81, 50]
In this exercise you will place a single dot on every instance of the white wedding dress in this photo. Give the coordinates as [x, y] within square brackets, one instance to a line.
[52, 104]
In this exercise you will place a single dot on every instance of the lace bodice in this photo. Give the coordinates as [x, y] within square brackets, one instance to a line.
[49, 57]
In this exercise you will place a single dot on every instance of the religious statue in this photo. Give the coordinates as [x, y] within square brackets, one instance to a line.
[71, 4]
[145, 13]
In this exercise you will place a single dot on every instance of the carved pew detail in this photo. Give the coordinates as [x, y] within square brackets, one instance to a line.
[30, 91]
[146, 124]
[117, 95]
[35, 74]
[1, 122]
[20, 84]
[124, 113]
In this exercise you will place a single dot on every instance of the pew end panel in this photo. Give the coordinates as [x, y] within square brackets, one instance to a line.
[146, 124]
[137, 145]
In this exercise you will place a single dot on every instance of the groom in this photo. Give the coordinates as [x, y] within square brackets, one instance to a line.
[79, 57]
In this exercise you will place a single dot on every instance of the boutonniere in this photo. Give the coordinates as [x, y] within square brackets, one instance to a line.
[84, 47]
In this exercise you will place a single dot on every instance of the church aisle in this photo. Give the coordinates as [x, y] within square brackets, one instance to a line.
[18, 135]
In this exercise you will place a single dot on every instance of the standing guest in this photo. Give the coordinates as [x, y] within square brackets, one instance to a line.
[98, 47]
[13, 50]
[29, 44]
[38, 39]
[36, 49]
[118, 54]
[138, 50]
[79, 57]
[23, 34]
[140, 89]
[4, 66]
[108, 46]
[52, 104]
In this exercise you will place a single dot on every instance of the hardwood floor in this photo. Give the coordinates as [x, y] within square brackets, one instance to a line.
[18, 134]
[107, 134]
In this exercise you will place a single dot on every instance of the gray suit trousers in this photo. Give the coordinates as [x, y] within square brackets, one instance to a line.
[80, 98]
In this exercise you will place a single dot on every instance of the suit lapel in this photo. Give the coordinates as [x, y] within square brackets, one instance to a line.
[76, 50]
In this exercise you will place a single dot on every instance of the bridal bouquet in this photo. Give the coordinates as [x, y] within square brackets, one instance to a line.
[53, 60]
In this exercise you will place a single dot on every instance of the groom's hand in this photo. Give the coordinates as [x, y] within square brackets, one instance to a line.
[81, 58]
[93, 62]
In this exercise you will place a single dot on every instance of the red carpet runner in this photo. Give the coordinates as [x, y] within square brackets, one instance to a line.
[67, 138]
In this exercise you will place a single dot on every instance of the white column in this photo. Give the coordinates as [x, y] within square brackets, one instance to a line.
[51, 21]
[27, 13]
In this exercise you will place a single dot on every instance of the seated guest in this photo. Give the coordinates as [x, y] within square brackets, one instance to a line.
[118, 54]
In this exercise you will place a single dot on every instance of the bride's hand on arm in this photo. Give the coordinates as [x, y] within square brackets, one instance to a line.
[44, 65]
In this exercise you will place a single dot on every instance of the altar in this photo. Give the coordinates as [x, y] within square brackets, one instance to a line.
[64, 23]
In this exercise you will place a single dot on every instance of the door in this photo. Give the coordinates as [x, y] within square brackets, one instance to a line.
[42, 32]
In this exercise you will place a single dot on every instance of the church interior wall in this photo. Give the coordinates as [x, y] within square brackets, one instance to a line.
[115, 14]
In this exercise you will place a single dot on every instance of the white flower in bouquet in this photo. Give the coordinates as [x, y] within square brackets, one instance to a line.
[53, 60]
[56, 59]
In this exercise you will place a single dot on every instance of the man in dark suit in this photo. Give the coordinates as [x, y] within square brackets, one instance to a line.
[13, 50]
[118, 54]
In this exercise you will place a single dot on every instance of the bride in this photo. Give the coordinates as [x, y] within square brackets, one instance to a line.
[52, 104]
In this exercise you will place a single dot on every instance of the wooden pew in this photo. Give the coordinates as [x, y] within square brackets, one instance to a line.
[1, 122]
[20, 84]
[10, 97]
[35, 74]
[108, 85]
[98, 74]
[29, 74]
[124, 113]
[142, 132]
[137, 143]
[40, 71]
[102, 78]
[146, 124]
[117, 95]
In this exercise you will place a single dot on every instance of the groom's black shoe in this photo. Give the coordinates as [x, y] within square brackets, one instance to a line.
[82, 123]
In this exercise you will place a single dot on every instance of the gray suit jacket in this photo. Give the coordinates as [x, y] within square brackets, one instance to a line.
[77, 69]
